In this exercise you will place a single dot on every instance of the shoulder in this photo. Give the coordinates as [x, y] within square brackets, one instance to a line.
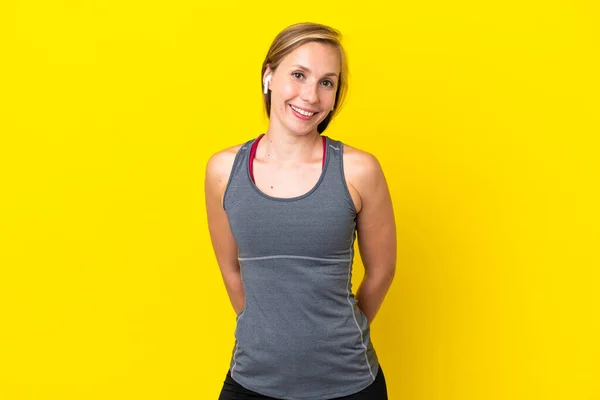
[219, 165]
[361, 168]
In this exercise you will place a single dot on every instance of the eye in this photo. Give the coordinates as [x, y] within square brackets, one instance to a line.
[328, 83]
[298, 75]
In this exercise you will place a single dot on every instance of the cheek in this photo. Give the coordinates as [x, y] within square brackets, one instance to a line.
[331, 99]
[290, 91]
[286, 93]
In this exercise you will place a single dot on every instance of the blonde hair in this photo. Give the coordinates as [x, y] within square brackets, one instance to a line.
[295, 36]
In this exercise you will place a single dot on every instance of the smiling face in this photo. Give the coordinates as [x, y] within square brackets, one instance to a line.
[303, 88]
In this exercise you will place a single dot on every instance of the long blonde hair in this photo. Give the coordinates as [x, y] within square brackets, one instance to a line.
[295, 36]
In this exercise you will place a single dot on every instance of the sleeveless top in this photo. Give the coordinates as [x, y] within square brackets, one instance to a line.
[301, 335]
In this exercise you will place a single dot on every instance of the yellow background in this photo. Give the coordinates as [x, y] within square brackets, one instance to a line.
[484, 115]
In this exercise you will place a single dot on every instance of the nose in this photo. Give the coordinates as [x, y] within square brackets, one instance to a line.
[310, 93]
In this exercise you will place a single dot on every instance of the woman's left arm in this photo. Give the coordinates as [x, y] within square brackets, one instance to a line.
[376, 230]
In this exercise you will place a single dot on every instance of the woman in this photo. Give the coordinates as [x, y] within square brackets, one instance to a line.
[283, 212]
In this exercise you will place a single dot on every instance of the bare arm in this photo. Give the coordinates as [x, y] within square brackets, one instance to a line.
[376, 229]
[218, 169]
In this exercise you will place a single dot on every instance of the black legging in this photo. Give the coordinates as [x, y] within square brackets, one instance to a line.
[234, 391]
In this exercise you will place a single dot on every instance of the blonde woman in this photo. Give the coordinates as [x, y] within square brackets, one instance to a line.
[284, 210]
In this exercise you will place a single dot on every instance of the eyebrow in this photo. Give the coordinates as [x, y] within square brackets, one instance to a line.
[302, 67]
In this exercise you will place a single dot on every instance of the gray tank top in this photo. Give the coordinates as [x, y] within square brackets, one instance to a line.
[301, 335]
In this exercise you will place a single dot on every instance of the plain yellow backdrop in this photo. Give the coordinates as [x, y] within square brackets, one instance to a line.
[484, 115]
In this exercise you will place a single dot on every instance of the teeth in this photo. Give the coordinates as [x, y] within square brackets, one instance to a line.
[305, 113]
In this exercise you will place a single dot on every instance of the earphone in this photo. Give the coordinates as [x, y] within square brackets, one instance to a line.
[267, 80]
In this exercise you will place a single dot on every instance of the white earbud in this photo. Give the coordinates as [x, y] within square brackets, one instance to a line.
[267, 80]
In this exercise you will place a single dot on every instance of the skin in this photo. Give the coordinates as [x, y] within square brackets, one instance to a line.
[288, 164]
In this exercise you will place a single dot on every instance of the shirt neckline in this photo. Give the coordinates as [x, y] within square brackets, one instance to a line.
[250, 174]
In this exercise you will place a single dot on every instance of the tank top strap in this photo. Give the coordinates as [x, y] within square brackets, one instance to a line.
[335, 176]
[334, 150]
[239, 168]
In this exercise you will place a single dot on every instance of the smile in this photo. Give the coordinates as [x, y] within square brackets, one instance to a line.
[302, 112]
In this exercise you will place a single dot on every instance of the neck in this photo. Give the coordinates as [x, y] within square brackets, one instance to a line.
[281, 147]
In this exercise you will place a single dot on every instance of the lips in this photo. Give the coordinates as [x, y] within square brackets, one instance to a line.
[304, 112]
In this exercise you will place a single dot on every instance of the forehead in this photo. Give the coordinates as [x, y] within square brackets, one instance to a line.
[320, 58]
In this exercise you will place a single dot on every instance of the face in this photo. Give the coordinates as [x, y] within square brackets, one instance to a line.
[303, 88]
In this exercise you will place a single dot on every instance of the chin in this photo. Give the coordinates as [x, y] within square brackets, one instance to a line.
[304, 132]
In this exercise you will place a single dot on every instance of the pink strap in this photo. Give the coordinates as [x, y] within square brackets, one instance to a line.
[252, 154]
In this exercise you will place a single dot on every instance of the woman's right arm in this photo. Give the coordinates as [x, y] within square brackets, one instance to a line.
[218, 169]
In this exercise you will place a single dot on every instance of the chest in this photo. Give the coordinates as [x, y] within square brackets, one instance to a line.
[286, 181]
[315, 226]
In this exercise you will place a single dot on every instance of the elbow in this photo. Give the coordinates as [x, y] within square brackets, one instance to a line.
[391, 273]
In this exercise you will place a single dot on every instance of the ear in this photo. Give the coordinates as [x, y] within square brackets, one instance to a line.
[268, 72]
